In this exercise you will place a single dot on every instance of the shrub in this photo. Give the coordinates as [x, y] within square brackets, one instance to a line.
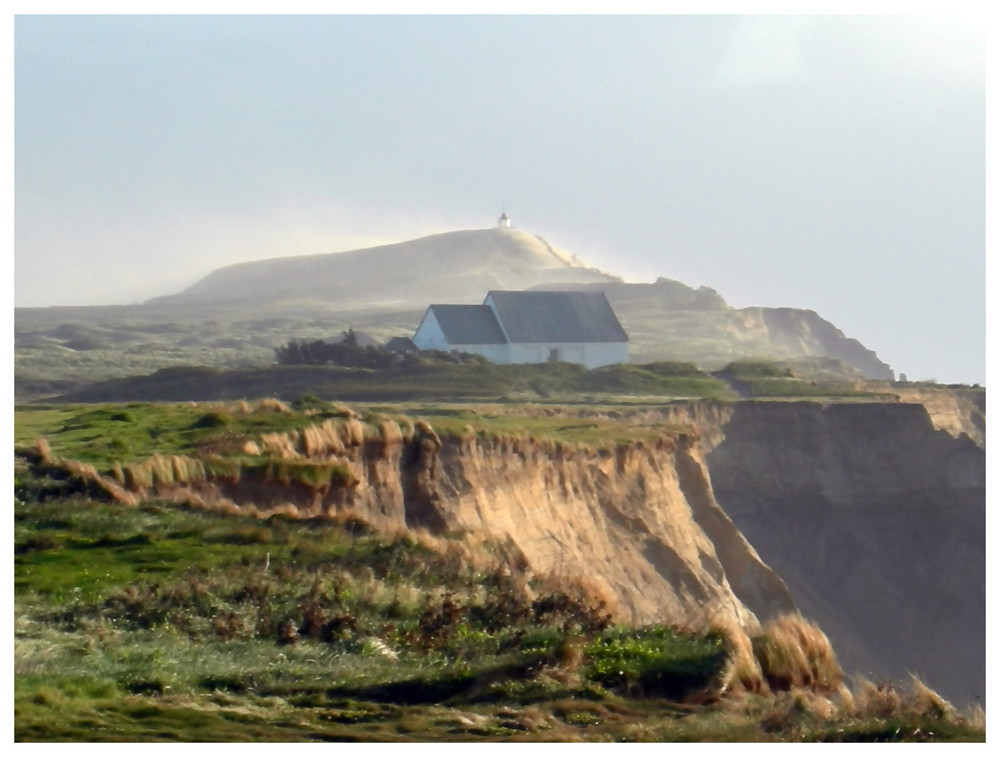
[656, 661]
[756, 369]
[212, 419]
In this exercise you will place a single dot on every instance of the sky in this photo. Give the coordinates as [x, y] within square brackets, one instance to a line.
[833, 163]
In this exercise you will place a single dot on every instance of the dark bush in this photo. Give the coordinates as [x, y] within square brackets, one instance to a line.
[211, 420]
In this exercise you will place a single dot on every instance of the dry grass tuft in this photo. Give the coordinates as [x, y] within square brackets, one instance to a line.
[876, 700]
[928, 702]
[96, 485]
[286, 509]
[280, 445]
[352, 432]
[886, 700]
[974, 716]
[82, 470]
[187, 470]
[332, 438]
[389, 432]
[323, 440]
[272, 405]
[794, 653]
[43, 450]
[426, 435]
[348, 519]
[742, 671]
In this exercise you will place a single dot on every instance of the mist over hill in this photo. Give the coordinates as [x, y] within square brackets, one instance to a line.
[455, 266]
[236, 316]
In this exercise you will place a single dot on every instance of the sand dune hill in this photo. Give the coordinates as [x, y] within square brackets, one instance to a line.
[458, 266]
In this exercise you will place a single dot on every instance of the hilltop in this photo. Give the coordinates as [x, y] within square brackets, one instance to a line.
[455, 266]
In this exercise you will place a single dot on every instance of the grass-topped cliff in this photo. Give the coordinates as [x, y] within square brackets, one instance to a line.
[159, 621]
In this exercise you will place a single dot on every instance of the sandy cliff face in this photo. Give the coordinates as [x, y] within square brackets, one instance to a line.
[640, 522]
[875, 517]
[957, 411]
[637, 523]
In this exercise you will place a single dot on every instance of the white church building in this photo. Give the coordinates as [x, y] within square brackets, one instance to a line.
[529, 327]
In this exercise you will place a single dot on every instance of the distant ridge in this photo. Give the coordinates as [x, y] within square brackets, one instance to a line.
[453, 267]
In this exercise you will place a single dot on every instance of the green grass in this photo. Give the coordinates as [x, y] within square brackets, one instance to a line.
[428, 378]
[109, 433]
[553, 422]
[762, 379]
[440, 378]
[132, 432]
[157, 623]
[135, 620]
[62, 349]
[661, 661]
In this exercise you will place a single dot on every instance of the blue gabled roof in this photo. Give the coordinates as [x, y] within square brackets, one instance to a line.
[556, 317]
[468, 324]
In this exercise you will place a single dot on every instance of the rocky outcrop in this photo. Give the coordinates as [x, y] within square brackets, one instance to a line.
[802, 333]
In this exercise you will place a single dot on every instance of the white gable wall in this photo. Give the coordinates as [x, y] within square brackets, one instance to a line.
[590, 354]
[495, 353]
[429, 336]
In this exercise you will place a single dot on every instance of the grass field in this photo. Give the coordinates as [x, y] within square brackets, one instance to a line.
[109, 433]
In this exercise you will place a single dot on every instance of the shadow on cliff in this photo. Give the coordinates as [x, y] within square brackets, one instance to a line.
[876, 521]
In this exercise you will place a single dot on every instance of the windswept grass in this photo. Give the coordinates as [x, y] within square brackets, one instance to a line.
[109, 433]
[157, 623]
[138, 444]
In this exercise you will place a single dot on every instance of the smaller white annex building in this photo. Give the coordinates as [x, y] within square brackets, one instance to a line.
[529, 327]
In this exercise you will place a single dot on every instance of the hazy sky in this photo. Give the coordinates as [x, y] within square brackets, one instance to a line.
[822, 162]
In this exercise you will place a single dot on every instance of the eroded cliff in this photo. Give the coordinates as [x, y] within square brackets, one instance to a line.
[874, 515]
[867, 516]
[637, 523]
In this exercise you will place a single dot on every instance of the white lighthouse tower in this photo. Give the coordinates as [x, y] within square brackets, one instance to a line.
[504, 222]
